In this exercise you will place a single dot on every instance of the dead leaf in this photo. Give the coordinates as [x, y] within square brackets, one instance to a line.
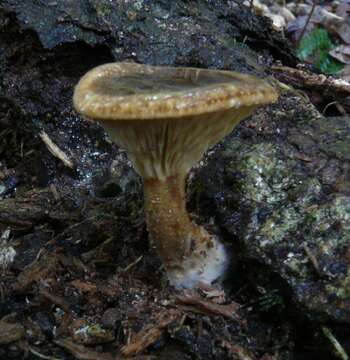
[343, 9]
[296, 27]
[283, 11]
[344, 32]
[84, 287]
[341, 53]
[321, 16]
[345, 73]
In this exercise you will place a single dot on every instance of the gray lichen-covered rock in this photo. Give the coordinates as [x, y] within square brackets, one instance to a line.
[285, 194]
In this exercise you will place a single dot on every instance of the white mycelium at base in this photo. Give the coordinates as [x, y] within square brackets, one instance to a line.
[203, 270]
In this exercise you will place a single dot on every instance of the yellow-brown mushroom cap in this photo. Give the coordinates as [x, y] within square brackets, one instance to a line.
[122, 91]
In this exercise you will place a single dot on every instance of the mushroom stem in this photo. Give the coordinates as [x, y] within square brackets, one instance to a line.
[162, 152]
[189, 253]
[167, 220]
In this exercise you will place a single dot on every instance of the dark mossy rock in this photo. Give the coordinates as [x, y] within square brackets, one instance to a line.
[156, 32]
[281, 187]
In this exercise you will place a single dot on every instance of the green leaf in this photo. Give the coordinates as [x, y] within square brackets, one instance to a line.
[316, 40]
[327, 64]
[316, 46]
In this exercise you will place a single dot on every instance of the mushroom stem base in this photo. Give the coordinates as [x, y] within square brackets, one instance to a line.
[190, 254]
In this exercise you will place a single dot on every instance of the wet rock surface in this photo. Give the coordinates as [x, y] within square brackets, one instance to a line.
[84, 281]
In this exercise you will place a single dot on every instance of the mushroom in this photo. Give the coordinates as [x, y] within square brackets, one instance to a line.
[166, 118]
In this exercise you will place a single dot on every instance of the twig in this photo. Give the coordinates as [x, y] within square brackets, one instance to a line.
[82, 352]
[306, 23]
[315, 82]
[339, 107]
[42, 356]
[337, 346]
[69, 228]
[55, 150]
[127, 268]
[228, 311]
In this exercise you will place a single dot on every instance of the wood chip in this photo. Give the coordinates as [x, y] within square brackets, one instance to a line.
[302, 157]
[237, 351]
[36, 271]
[36, 206]
[150, 333]
[10, 332]
[55, 299]
[83, 286]
[209, 307]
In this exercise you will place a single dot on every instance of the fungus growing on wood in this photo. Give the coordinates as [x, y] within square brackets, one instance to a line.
[166, 118]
